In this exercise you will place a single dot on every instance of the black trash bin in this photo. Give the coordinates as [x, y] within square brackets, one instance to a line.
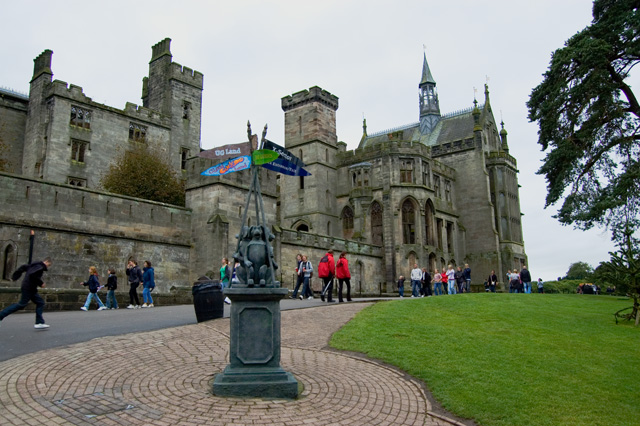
[208, 300]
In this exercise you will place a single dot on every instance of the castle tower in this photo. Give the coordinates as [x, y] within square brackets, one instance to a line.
[36, 135]
[429, 105]
[310, 134]
[176, 92]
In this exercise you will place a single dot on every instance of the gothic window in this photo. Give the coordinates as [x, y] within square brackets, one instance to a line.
[302, 228]
[184, 154]
[329, 228]
[347, 222]
[439, 232]
[79, 182]
[408, 223]
[450, 237]
[436, 186]
[426, 178]
[9, 262]
[366, 178]
[353, 180]
[376, 224]
[78, 150]
[359, 178]
[428, 223]
[80, 117]
[301, 182]
[406, 171]
[447, 190]
[186, 110]
[137, 132]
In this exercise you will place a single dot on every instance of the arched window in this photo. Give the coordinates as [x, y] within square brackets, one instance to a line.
[302, 228]
[376, 224]
[408, 223]
[428, 224]
[347, 222]
[329, 228]
[9, 262]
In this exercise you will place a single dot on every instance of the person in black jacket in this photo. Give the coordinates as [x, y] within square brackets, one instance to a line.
[525, 277]
[112, 285]
[135, 276]
[32, 280]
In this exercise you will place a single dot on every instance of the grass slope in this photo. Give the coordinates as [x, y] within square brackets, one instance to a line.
[510, 359]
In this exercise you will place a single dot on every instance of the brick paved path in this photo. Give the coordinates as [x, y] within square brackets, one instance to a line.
[164, 378]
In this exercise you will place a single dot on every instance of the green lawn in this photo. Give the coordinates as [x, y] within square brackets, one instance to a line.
[511, 359]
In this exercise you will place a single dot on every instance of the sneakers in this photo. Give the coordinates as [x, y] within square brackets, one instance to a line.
[82, 309]
[151, 305]
[144, 305]
[301, 297]
[310, 298]
[41, 326]
[102, 308]
[137, 306]
[227, 300]
[131, 307]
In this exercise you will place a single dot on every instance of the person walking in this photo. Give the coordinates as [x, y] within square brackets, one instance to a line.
[307, 271]
[426, 283]
[326, 271]
[445, 280]
[437, 283]
[94, 286]
[299, 277]
[416, 277]
[541, 286]
[225, 277]
[493, 281]
[467, 278]
[525, 277]
[29, 290]
[112, 285]
[451, 280]
[148, 284]
[344, 276]
[134, 275]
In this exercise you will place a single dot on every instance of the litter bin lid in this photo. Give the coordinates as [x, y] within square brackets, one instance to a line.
[199, 286]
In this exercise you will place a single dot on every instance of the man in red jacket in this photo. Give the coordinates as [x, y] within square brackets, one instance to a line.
[326, 271]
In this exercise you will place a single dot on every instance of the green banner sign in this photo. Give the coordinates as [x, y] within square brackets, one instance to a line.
[264, 156]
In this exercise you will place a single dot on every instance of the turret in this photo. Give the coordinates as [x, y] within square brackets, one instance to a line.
[503, 138]
[429, 105]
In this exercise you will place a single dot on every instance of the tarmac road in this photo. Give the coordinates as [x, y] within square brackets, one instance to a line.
[18, 337]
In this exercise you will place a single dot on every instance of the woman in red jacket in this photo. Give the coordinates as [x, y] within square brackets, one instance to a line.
[343, 274]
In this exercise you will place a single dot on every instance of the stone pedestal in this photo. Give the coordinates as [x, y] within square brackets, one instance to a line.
[254, 348]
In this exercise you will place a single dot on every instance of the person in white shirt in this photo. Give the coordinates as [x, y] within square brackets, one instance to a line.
[416, 278]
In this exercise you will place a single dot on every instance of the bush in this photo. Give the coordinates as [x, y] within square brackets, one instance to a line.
[563, 287]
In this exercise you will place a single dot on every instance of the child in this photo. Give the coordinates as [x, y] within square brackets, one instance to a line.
[112, 285]
[94, 286]
[401, 286]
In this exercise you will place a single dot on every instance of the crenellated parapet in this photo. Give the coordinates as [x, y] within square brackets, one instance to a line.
[186, 75]
[314, 94]
[453, 147]
[500, 158]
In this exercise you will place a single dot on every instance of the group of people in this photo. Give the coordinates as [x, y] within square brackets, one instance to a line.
[520, 281]
[135, 277]
[327, 270]
[451, 280]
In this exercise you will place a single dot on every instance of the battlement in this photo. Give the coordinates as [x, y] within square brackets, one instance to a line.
[453, 147]
[186, 75]
[143, 113]
[161, 49]
[314, 94]
[42, 64]
[495, 157]
[62, 88]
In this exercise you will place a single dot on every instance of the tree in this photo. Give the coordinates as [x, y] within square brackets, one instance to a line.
[589, 119]
[579, 271]
[142, 172]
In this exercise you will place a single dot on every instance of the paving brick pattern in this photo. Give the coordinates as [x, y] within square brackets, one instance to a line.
[164, 378]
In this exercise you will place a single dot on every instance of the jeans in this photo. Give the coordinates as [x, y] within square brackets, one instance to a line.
[24, 299]
[437, 288]
[527, 287]
[492, 287]
[306, 289]
[467, 287]
[93, 296]
[348, 282]
[146, 295]
[452, 286]
[112, 303]
[401, 290]
[415, 288]
[299, 281]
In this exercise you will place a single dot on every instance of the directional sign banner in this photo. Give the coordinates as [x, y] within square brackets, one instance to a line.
[263, 156]
[285, 167]
[229, 166]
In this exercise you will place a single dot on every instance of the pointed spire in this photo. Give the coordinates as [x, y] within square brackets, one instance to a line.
[364, 126]
[426, 73]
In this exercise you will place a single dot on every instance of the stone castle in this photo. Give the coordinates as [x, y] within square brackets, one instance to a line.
[443, 190]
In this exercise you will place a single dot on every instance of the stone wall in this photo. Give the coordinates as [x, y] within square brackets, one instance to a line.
[79, 228]
[13, 117]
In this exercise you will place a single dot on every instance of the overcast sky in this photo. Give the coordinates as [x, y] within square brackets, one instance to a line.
[368, 53]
